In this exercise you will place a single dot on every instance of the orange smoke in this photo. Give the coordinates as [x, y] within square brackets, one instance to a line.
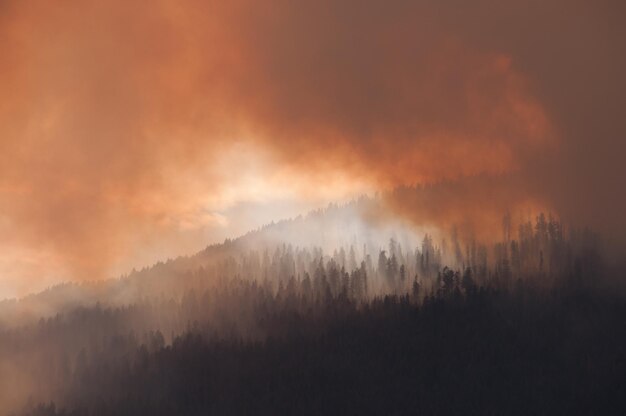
[131, 130]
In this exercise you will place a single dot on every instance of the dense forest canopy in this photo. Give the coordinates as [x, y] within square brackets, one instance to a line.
[200, 333]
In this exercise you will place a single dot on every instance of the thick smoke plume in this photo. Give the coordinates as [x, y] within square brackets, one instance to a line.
[126, 124]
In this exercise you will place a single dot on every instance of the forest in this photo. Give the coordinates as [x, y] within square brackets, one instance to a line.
[531, 324]
[312, 207]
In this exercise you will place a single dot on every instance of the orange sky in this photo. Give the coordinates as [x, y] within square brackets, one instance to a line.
[135, 131]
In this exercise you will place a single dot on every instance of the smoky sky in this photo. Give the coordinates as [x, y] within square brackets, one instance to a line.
[126, 126]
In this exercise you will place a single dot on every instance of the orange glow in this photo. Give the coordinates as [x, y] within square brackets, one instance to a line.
[132, 131]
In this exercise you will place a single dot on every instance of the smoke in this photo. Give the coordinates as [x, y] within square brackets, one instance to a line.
[132, 131]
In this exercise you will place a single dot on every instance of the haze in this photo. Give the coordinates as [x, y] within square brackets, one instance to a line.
[133, 131]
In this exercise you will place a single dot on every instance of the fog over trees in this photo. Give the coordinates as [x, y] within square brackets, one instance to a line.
[366, 319]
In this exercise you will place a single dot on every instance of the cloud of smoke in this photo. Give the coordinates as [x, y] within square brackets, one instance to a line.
[132, 128]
